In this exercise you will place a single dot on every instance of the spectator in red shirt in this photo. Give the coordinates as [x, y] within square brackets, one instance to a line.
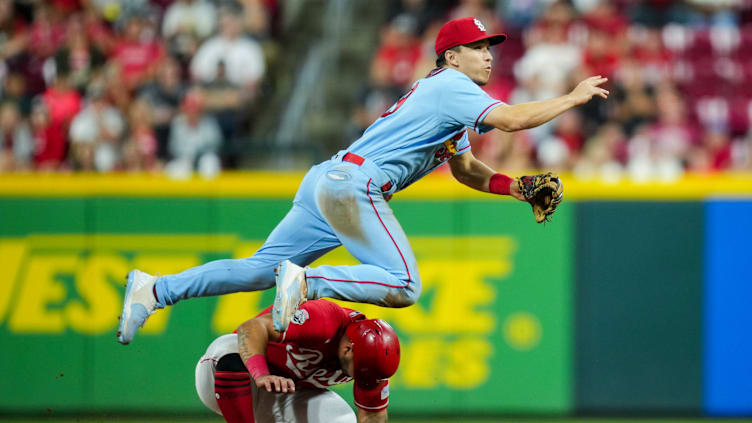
[47, 32]
[713, 155]
[400, 51]
[51, 120]
[50, 146]
[61, 99]
[136, 56]
[600, 57]
[140, 148]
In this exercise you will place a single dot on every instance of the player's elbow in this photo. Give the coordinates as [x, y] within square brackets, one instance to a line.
[506, 118]
[513, 124]
[244, 327]
[261, 326]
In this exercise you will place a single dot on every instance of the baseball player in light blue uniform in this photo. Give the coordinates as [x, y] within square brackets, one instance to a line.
[343, 201]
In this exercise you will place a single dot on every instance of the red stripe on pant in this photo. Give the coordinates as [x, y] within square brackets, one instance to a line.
[347, 280]
[388, 233]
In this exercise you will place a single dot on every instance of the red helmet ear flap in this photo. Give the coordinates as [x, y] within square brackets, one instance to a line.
[376, 349]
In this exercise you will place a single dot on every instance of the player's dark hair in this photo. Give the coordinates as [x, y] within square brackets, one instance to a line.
[441, 60]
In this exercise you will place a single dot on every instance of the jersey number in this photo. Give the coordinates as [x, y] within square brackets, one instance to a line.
[400, 102]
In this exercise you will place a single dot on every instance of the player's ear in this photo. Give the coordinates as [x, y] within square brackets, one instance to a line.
[451, 57]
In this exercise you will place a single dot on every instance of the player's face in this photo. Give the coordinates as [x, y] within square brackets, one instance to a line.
[346, 356]
[474, 60]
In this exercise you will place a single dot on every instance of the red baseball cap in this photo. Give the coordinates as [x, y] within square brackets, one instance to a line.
[464, 31]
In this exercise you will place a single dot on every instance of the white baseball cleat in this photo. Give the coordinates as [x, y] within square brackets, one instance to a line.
[291, 287]
[138, 305]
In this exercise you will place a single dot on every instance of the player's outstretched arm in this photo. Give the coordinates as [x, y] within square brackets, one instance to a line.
[529, 115]
[253, 337]
[365, 416]
[470, 171]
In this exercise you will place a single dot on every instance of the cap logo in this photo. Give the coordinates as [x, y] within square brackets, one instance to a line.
[479, 24]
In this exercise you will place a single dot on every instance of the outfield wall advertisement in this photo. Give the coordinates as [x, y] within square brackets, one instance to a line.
[491, 332]
[636, 298]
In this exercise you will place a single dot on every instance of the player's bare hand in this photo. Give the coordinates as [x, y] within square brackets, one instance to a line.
[585, 90]
[276, 384]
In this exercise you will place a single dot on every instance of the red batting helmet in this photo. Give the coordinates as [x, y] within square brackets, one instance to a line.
[376, 349]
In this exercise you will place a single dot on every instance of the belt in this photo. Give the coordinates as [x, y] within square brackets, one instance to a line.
[355, 159]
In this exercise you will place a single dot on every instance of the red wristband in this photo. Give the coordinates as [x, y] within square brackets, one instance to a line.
[256, 365]
[499, 184]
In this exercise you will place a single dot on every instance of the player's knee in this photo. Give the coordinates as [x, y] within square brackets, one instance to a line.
[413, 291]
[404, 297]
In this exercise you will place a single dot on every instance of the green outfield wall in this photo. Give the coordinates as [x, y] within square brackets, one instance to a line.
[600, 310]
[639, 306]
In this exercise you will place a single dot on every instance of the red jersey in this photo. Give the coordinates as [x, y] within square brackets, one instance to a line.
[307, 352]
[135, 59]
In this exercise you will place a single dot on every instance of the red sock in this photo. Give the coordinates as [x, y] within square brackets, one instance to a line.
[233, 392]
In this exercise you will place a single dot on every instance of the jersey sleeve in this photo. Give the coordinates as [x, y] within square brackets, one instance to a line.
[315, 322]
[463, 145]
[371, 397]
[464, 103]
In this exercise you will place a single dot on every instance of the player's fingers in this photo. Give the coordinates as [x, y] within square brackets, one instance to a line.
[597, 80]
[267, 385]
[277, 388]
[291, 385]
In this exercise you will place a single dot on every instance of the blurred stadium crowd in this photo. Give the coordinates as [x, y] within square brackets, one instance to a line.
[679, 80]
[137, 85]
[167, 85]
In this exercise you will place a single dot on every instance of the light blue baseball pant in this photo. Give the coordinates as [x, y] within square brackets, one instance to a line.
[338, 203]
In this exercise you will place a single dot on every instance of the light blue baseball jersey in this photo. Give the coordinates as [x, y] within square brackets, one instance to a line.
[426, 127]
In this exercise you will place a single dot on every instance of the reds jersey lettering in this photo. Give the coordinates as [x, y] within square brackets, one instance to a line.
[299, 359]
[322, 378]
[303, 362]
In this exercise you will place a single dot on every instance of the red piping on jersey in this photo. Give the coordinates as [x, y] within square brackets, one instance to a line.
[463, 148]
[435, 72]
[390, 235]
[484, 111]
[347, 280]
